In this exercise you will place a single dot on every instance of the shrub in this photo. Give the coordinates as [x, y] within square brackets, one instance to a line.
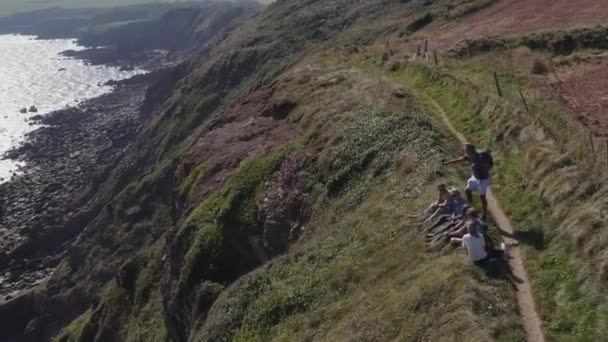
[420, 22]
[540, 67]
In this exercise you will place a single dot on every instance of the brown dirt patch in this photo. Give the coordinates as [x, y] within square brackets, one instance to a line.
[516, 17]
[256, 126]
[583, 91]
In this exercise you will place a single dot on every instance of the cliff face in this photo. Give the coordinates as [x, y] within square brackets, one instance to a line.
[60, 22]
[267, 184]
[176, 29]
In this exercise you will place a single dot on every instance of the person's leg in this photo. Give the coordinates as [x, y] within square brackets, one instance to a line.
[496, 253]
[456, 227]
[483, 263]
[484, 207]
[472, 184]
[439, 212]
[459, 233]
[484, 184]
[441, 220]
[469, 194]
[431, 209]
[432, 216]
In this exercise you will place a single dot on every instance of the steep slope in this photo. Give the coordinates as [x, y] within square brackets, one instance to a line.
[550, 171]
[267, 195]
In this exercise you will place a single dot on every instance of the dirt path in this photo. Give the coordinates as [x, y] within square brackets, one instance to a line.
[527, 309]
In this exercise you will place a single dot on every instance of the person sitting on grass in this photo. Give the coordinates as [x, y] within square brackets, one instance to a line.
[458, 206]
[448, 220]
[474, 243]
[443, 196]
[476, 247]
[452, 207]
[446, 224]
[460, 229]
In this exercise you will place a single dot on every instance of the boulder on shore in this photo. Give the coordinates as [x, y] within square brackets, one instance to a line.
[33, 109]
[23, 110]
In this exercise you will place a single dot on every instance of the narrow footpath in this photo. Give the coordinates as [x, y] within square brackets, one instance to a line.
[525, 300]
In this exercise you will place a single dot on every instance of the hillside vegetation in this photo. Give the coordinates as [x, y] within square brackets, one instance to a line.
[11, 7]
[549, 180]
[271, 192]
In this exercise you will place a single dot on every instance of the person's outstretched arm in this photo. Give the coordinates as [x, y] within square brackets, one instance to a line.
[461, 159]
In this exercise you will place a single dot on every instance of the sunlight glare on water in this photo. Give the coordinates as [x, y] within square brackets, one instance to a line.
[34, 73]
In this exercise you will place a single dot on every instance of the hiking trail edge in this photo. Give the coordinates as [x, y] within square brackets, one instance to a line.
[525, 300]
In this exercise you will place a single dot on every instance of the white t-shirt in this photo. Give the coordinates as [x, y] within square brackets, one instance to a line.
[475, 246]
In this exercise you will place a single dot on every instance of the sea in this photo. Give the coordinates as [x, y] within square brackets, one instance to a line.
[33, 73]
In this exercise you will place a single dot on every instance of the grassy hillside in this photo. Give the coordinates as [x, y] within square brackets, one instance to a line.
[196, 247]
[547, 179]
[270, 195]
[10, 7]
[361, 270]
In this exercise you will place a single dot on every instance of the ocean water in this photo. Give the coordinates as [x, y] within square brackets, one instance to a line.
[34, 73]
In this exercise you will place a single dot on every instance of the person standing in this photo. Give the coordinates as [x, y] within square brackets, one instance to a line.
[481, 166]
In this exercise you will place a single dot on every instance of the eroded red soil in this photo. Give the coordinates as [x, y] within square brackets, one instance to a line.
[583, 91]
[254, 127]
[515, 17]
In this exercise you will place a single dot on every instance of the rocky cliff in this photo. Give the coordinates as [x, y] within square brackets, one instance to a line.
[260, 191]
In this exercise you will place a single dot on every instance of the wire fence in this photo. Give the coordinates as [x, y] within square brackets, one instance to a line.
[572, 137]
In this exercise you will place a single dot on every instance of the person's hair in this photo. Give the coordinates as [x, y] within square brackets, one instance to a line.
[471, 212]
[468, 147]
[472, 229]
[455, 192]
[442, 186]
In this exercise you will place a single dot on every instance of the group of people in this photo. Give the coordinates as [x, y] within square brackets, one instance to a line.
[455, 218]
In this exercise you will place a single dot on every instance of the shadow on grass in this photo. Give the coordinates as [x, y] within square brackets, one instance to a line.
[532, 237]
[498, 268]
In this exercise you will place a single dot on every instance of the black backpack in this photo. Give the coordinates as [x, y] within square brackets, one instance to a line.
[486, 156]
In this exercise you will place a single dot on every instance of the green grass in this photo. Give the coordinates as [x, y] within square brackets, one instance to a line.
[186, 187]
[73, 332]
[9, 7]
[569, 307]
[569, 298]
[210, 232]
[362, 272]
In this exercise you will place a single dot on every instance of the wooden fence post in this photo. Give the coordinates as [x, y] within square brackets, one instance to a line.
[592, 143]
[426, 49]
[606, 156]
[523, 99]
[498, 90]
[418, 51]
[435, 55]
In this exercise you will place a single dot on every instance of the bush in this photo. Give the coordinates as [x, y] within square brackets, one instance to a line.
[469, 8]
[420, 22]
[540, 67]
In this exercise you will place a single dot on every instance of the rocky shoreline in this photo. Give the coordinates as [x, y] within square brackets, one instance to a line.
[44, 209]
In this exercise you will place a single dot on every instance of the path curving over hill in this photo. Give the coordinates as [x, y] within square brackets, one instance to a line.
[529, 315]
